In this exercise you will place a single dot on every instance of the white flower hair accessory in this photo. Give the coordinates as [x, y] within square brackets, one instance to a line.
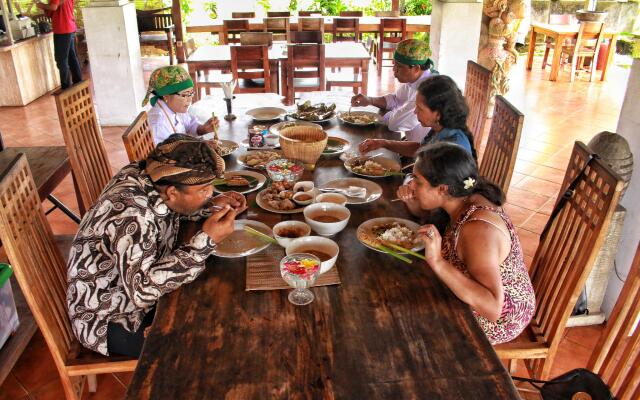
[469, 183]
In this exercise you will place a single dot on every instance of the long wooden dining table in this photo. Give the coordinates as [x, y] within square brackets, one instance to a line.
[415, 24]
[389, 330]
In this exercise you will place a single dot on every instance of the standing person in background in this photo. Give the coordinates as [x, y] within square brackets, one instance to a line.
[64, 29]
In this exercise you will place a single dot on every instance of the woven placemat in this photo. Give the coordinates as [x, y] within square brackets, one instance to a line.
[263, 271]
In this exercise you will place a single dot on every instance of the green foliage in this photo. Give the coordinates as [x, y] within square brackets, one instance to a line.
[375, 5]
[265, 4]
[211, 7]
[416, 7]
[293, 5]
[329, 7]
[187, 8]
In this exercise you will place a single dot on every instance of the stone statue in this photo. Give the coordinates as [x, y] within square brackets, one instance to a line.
[500, 22]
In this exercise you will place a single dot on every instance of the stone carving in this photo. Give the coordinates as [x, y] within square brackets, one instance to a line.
[500, 22]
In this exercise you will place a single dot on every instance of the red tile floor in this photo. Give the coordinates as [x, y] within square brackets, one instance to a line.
[556, 114]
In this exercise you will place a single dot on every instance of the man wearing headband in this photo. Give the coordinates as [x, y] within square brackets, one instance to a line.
[125, 254]
[170, 93]
[411, 65]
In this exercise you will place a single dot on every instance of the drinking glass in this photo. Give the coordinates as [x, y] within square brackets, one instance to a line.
[300, 271]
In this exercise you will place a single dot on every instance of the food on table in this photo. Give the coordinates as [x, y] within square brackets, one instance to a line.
[304, 197]
[279, 196]
[284, 170]
[394, 232]
[316, 112]
[301, 268]
[368, 167]
[236, 180]
[320, 254]
[291, 232]
[325, 218]
[258, 159]
[335, 145]
[359, 118]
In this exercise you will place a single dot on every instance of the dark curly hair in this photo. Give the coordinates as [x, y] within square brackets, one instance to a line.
[445, 163]
[441, 94]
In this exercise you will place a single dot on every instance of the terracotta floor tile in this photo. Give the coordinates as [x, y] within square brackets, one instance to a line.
[536, 222]
[549, 174]
[526, 199]
[517, 177]
[517, 214]
[11, 389]
[108, 388]
[547, 208]
[525, 167]
[35, 367]
[540, 186]
[51, 390]
[529, 241]
[586, 336]
[124, 377]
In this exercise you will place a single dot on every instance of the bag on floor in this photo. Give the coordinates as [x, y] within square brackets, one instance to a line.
[577, 384]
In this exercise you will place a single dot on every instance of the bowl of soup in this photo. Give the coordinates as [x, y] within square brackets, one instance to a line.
[286, 232]
[325, 249]
[326, 219]
[335, 198]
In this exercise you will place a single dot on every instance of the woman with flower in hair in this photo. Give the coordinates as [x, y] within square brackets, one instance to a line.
[479, 258]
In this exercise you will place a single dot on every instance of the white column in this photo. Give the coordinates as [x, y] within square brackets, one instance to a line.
[628, 126]
[455, 36]
[114, 56]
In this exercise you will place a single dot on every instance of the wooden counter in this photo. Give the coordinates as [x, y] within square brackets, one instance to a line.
[28, 70]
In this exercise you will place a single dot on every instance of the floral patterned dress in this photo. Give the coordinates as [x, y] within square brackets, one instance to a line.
[519, 299]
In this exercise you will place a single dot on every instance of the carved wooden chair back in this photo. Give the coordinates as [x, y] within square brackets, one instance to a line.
[138, 138]
[279, 26]
[309, 13]
[499, 156]
[305, 68]
[42, 274]
[311, 24]
[251, 62]
[564, 258]
[477, 91]
[249, 14]
[256, 39]
[391, 32]
[617, 355]
[232, 29]
[587, 45]
[277, 14]
[306, 37]
[346, 30]
[351, 13]
[85, 145]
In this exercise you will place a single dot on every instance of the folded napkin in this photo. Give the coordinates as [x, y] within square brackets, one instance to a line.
[228, 88]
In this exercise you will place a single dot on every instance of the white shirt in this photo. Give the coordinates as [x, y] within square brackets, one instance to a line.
[161, 127]
[401, 105]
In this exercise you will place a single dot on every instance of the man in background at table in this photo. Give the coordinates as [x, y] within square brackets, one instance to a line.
[411, 66]
[64, 29]
[126, 254]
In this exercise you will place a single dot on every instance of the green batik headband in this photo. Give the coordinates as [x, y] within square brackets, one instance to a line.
[401, 58]
[170, 89]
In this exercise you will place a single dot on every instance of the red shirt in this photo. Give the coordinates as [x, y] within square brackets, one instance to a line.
[62, 18]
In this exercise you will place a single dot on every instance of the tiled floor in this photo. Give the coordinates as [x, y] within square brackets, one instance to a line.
[556, 114]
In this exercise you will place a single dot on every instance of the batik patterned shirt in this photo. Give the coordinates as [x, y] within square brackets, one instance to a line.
[124, 257]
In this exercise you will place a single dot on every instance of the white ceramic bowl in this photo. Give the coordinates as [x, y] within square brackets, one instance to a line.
[308, 198]
[272, 140]
[317, 243]
[303, 186]
[297, 225]
[313, 211]
[335, 198]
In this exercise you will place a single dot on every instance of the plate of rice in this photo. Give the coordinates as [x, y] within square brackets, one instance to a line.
[385, 230]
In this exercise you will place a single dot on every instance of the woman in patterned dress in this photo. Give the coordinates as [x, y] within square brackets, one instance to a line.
[480, 257]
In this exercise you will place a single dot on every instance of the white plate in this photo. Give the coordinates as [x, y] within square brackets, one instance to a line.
[374, 191]
[245, 143]
[387, 163]
[243, 189]
[344, 142]
[367, 225]
[241, 243]
[375, 117]
[242, 159]
[266, 113]
[277, 128]
[263, 204]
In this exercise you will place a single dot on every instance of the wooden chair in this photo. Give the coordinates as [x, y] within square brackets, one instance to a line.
[306, 37]
[280, 27]
[276, 14]
[564, 259]
[256, 38]
[387, 14]
[617, 355]
[311, 24]
[232, 29]
[305, 69]
[250, 66]
[42, 274]
[346, 30]
[391, 32]
[249, 14]
[138, 138]
[85, 145]
[555, 19]
[499, 156]
[156, 29]
[351, 13]
[587, 45]
[477, 91]
[309, 13]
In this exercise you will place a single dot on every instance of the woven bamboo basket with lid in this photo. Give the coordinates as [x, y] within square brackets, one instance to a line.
[303, 143]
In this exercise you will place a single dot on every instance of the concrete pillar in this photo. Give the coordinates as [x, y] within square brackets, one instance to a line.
[455, 36]
[114, 56]
[629, 127]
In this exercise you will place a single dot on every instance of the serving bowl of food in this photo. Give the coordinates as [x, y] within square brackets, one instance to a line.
[284, 170]
[303, 198]
[326, 219]
[286, 232]
[335, 198]
[320, 112]
[373, 167]
[303, 143]
[258, 159]
[359, 118]
[324, 248]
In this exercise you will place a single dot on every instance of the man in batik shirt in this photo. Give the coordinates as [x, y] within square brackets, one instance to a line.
[125, 255]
